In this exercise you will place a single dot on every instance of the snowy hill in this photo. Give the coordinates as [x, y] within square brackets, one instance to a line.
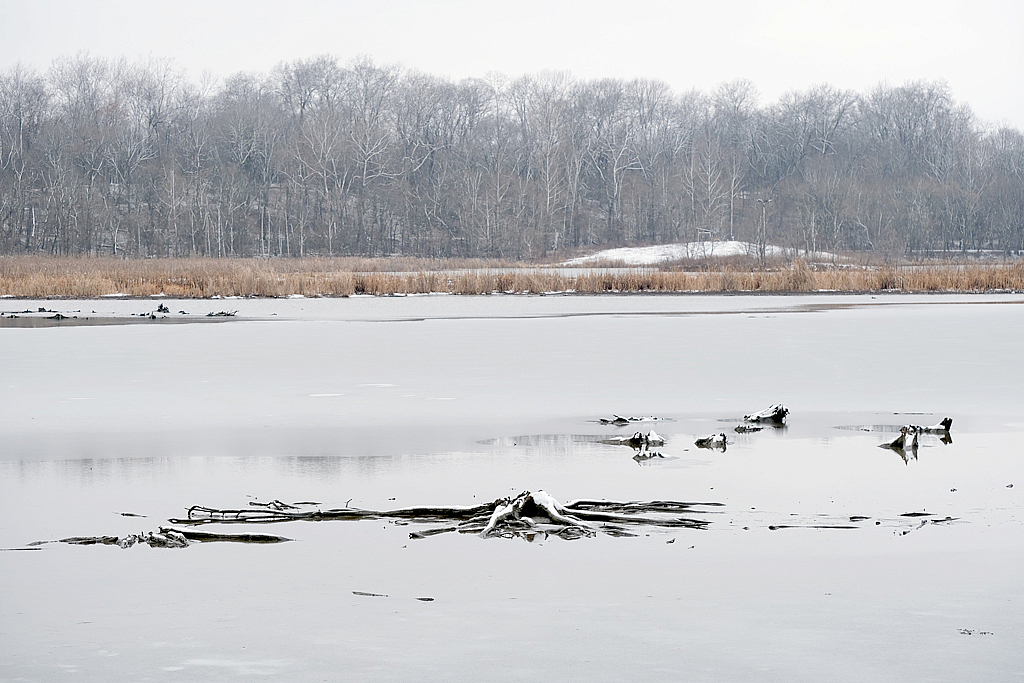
[649, 256]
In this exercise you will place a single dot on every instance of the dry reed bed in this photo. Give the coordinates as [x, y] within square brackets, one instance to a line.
[39, 277]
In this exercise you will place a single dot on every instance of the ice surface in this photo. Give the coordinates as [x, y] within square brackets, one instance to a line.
[396, 402]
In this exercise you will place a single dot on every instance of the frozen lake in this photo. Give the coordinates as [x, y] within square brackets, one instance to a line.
[383, 403]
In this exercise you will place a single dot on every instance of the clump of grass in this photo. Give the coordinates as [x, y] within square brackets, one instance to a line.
[798, 277]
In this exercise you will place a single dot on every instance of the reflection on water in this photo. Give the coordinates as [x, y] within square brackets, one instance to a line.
[945, 437]
[762, 478]
[911, 438]
[747, 471]
[549, 442]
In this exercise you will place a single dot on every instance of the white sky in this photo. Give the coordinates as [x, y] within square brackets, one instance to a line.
[976, 46]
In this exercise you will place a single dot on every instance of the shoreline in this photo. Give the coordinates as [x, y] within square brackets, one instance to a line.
[52, 312]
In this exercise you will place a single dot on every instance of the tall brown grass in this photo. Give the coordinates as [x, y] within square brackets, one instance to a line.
[42, 277]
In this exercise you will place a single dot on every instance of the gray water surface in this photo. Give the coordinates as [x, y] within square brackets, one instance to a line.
[382, 403]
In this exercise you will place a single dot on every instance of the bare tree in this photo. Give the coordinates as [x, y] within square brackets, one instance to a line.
[23, 104]
[106, 156]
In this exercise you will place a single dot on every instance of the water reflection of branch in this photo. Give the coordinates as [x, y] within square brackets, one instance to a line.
[908, 451]
[940, 430]
[900, 445]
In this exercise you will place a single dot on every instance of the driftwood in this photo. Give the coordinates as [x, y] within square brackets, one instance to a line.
[205, 537]
[900, 442]
[907, 433]
[907, 450]
[773, 414]
[907, 443]
[714, 441]
[940, 428]
[529, 515]
[639, 440]
[524, 515]
[166, 538]
[620, 421]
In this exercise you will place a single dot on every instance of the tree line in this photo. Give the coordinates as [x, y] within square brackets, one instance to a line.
[111, 157]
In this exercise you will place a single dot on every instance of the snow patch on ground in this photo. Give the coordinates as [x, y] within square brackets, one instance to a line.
[648, 256]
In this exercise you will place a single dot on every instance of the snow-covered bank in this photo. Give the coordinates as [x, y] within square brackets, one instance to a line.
[664, 253]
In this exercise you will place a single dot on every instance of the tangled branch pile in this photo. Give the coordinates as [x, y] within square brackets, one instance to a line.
[522, 515]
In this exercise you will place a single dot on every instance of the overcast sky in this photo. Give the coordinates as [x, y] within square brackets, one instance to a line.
[976, 46]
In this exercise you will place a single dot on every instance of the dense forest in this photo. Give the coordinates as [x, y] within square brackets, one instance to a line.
[101, 157]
